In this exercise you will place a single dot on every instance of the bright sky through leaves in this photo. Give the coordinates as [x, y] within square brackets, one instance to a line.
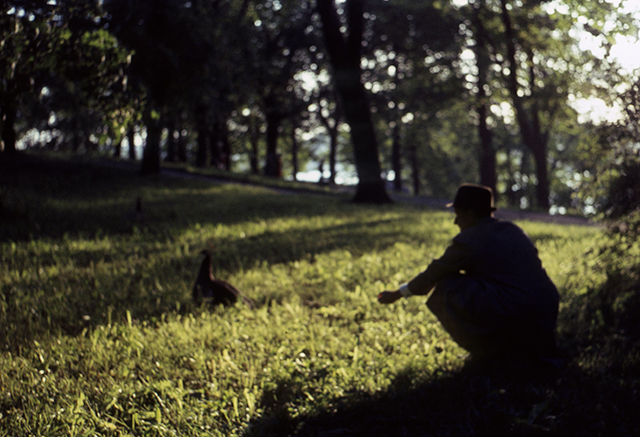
[627, 52]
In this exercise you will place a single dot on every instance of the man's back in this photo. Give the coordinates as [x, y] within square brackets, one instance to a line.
[502, 255]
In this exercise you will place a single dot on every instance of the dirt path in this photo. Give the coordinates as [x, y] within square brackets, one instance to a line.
[504, 214]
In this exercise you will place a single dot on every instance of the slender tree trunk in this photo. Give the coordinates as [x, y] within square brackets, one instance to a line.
[219, 145]
[345, 57]
[532, 136]
[132, 145]
[321, 180]
[542, 173]
[117, 149]
[75, 145]
[396, 161]
[333, 143]
[203, 137]
[9, 114]
[253, 159]
[151, 152]
[272, 164]
[538, 148]
[225, 146]
[415, 168]
[333, 152]
[172, 143]
[487, 152]
[182, 147]
[294, 151]
[214, 145]
[255, 167]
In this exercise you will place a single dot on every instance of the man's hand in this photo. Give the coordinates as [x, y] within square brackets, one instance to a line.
[387, 297]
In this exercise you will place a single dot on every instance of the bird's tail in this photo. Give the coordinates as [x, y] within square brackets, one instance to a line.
[250, 303]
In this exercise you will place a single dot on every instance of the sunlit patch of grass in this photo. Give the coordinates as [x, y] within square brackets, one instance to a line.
[555, 242]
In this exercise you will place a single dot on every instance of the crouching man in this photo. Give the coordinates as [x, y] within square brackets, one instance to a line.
[491, 294]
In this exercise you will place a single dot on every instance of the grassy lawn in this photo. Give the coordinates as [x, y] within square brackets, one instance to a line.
[99, 335]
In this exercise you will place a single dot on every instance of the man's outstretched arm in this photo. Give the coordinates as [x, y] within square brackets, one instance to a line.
[387, 297]
[453, 260]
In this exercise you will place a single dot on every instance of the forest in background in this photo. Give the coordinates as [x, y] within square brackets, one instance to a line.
[424, 94]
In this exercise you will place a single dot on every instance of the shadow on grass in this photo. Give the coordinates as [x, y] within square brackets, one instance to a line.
[471, 401]
[50, 197]
[596, 393]
[299, 244]
[150, 287]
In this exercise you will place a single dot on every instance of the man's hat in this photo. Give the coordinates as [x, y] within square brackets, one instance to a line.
[476, 197]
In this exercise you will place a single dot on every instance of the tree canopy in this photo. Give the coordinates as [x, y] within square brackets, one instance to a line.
[429, 94]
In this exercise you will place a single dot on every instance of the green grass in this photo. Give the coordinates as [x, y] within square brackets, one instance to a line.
[99, 336]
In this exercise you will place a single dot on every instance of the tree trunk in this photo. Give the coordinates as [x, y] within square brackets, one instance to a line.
[396, 161]
[333, 152]
[182, 147]
[151, 152]
[75, 145]
[117, 149]
[225, 146]
[294, 151]
[132, 146]
[203, 137]
[272, 167]
[9, 113]
[532, 136]
[214, 146]
[487, 152]
[539, 151]
[254, 131]
[172, 143]
[333, 143]
[415, 168]
[321, 180]
[370, 187]
[345, 58]
[219, 145]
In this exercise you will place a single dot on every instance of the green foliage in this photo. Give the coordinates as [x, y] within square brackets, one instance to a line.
[623, 198]
[100, 337]
[613, 304]
[64, 73]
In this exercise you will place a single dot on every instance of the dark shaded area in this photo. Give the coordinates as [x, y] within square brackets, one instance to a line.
[108, 197]
[27, 182]
[596, 393]
[492, 400]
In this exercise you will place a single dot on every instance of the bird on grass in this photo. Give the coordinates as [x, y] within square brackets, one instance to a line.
[215, 291]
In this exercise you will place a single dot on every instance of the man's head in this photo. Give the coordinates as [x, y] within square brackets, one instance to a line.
[471, 204]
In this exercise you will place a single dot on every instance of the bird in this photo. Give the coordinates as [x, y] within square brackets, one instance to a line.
[135, 217]
[215, 291]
